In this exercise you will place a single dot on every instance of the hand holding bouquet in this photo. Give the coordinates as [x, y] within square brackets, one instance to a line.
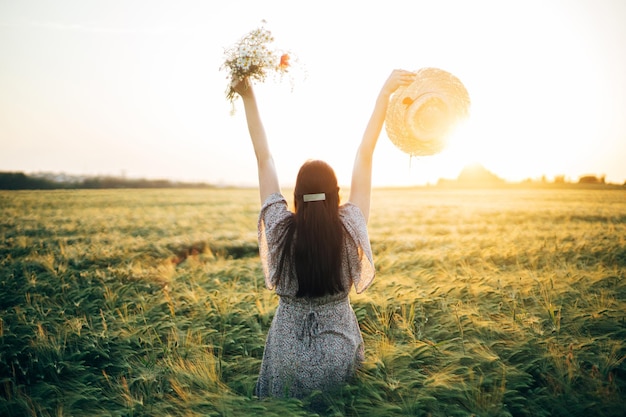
[251, 57]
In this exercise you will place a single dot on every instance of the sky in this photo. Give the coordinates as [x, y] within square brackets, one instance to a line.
[134, 88]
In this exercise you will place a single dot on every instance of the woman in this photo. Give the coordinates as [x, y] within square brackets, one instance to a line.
[312, 258]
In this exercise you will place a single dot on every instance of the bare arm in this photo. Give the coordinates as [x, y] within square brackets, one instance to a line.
[268, 178]
[361, 187]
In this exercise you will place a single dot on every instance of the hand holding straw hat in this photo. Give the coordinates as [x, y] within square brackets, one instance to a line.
[421, 116]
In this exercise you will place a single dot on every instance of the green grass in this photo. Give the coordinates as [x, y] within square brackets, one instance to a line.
[151, 303]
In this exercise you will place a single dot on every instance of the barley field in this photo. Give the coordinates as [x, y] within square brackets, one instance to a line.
[506, 302]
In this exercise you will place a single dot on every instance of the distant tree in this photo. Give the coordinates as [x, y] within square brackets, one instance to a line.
[478, 175]
[590, 179]
[20, 181]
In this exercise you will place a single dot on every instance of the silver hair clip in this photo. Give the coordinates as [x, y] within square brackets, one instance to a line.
[314, 197]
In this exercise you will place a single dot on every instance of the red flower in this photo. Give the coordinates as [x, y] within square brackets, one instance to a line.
[284, 62]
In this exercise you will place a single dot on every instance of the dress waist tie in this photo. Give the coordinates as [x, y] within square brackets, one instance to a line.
[310, 326]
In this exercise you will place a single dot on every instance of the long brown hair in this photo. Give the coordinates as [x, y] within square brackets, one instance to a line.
[314, 235]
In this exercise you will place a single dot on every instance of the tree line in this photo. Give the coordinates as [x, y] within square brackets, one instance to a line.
[21, 181]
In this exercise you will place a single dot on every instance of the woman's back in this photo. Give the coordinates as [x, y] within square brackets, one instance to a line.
[357, 265]
[313, 342]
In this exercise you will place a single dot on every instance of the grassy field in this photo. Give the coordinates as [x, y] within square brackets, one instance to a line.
[151, 303]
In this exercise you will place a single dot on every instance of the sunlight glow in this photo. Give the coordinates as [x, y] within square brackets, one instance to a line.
[104, 90]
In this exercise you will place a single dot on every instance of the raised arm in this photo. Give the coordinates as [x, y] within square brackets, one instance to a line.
[361, 187]
[268, 179]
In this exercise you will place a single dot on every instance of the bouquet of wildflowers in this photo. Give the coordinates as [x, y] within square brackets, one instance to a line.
[253, 58]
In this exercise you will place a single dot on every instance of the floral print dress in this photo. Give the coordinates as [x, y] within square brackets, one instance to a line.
[313, 343]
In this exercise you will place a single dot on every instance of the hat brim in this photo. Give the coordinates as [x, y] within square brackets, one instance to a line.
[421, 116]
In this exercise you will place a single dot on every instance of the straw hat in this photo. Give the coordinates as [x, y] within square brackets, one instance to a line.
[420, 116]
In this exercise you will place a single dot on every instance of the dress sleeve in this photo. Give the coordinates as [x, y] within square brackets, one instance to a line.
[361, 263]
[271, 228]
